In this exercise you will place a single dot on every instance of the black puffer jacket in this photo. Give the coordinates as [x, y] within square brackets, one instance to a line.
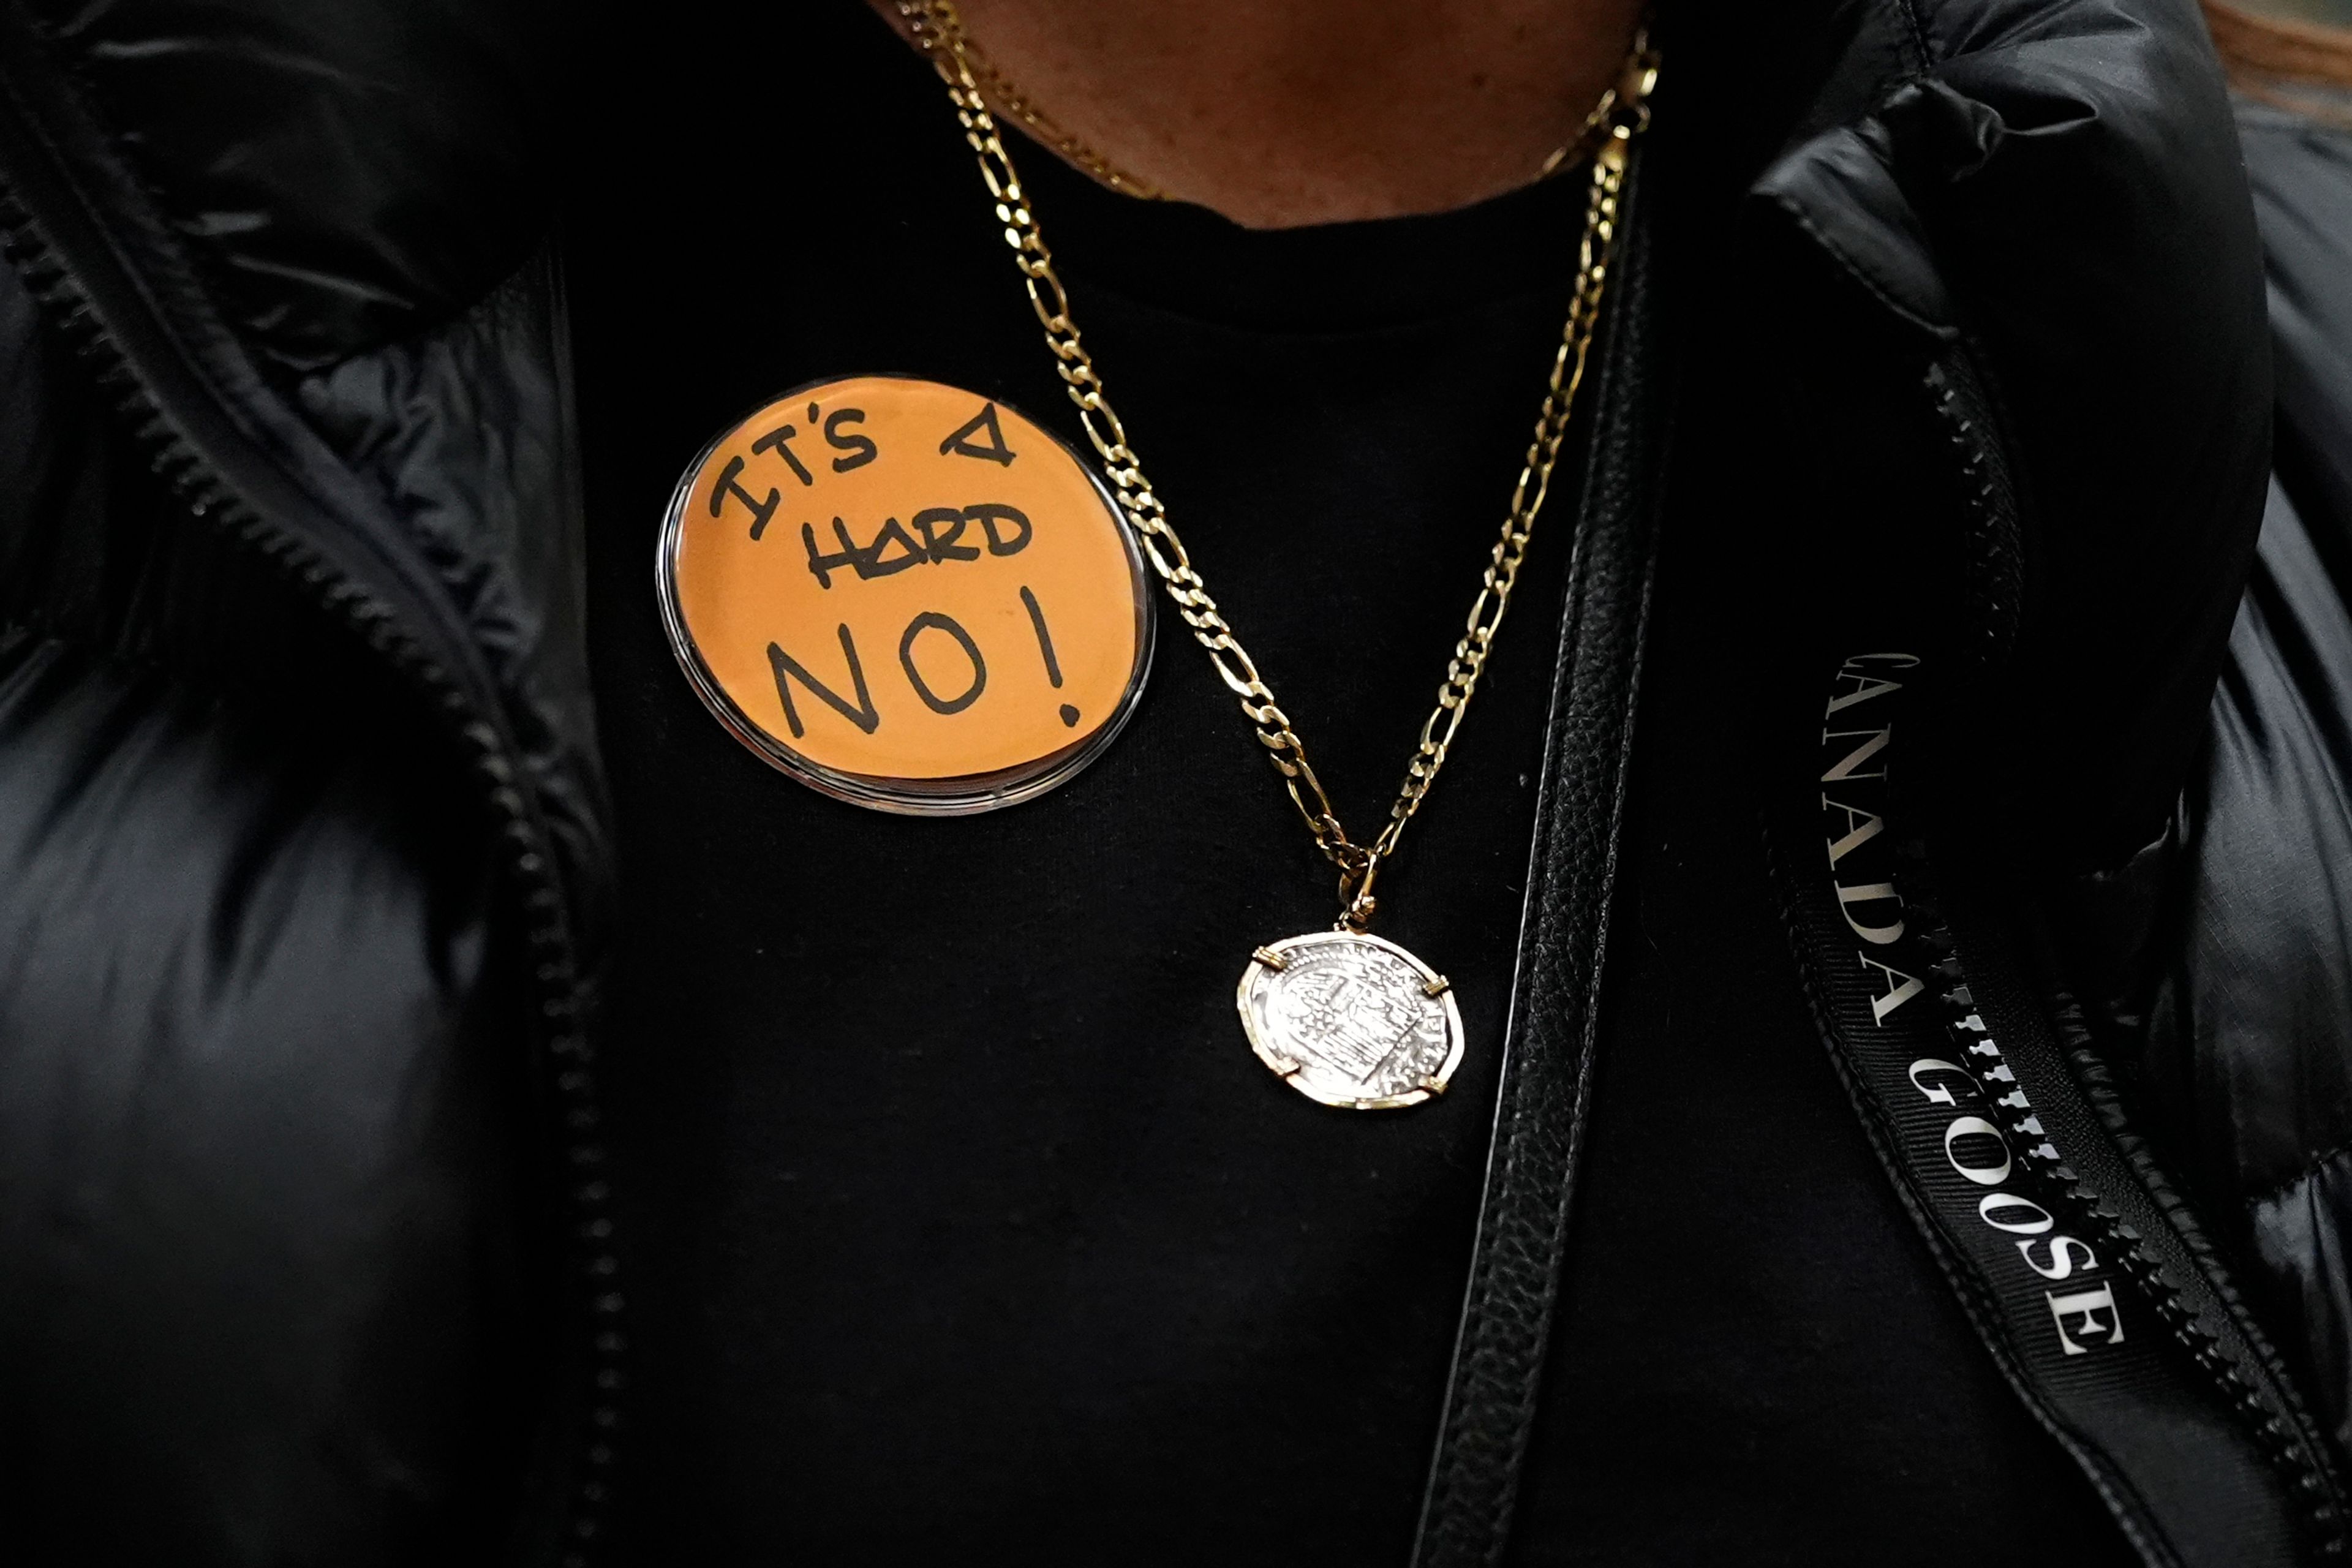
[304, 1254]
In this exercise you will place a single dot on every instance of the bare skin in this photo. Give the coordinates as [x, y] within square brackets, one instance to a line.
[1283, 113]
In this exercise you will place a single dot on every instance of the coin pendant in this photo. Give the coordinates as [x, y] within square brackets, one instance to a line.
[1352, 1020]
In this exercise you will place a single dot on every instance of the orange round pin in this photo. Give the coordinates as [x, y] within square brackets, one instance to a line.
[906, 595]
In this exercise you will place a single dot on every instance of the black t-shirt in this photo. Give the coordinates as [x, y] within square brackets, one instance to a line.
[958, 1214]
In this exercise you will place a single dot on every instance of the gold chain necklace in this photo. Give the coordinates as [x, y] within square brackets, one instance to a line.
[1346, 1017]
[997, 88]
[938, 17]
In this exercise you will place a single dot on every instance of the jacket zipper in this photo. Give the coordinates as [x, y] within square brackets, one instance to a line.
[556, 987]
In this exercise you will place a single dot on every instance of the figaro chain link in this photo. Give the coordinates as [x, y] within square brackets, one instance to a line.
[1622, 114]
[995, 85]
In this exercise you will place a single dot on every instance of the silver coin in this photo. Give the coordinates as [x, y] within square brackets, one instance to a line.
[1352, 1020]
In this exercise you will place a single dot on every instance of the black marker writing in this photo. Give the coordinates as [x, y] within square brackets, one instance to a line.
[862, 448]
[864, 715]
[930, 620]
[1044, 637]
[866, 561]
[1046, 647]
[731, 483]
[959, 441]
[774, 441]
[988, 516]
[941, 546]
[1006, 528]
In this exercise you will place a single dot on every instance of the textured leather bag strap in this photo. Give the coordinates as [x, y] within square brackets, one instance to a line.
[2080, 1274]
[1546, 1077]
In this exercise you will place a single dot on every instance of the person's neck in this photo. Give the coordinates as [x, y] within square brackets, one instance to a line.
[1283, 113]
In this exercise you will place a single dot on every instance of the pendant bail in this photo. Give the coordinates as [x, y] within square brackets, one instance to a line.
[1357, 867]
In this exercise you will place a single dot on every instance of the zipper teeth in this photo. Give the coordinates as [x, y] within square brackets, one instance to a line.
[1992, 580]
[2277, 1429]
[2270, 1408]
[553, 971]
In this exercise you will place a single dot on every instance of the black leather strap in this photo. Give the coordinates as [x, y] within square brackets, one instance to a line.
[2118, 1332]
[1546, 1065]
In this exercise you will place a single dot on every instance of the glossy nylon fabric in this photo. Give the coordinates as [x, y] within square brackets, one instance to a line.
[347, 174]
[2250, 1054]
[2011, 190]
[262, 1134]
[315, 261]
[276, 1282]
